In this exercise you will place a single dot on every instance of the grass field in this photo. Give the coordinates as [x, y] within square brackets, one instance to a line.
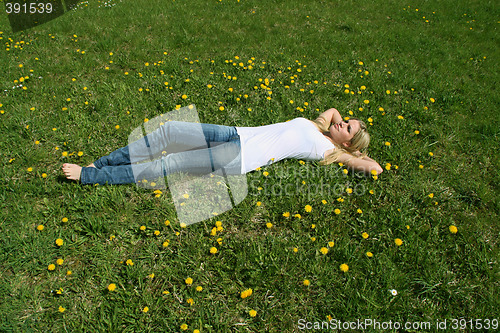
[423, 75]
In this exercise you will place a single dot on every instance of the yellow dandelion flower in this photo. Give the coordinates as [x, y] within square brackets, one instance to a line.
[59, 261]
[306, 282]
[30, 169]
[142, 228]
[398, 242]
[184, 327]
[369, 254]
[184, 96]
[246, 293]
[157, 232]
[308, 208]
[64, 219]
[331, 243]
[61, 309]
[265, 173]
[40, 227]
[324, 250]
[190, 301]
[51, 267]
[337, 211]
[364, 235]
[344, 268]
[453, 229]
[295, 250]
[146, 309]
[213, 250]
[129, 262]
[286, 214]
[199, 288]
[269, 225]
[252, 313]
[432, 100]
[189, 281]
[111, 287]
[59, 242]
[387, 143]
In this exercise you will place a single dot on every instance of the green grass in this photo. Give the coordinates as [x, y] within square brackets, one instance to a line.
[451, 59]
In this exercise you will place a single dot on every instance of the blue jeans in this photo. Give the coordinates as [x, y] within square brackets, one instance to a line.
[192, 148]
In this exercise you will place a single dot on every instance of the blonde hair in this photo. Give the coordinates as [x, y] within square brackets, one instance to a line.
[359, 141]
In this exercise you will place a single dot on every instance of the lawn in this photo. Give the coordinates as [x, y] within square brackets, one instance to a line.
[310, 246]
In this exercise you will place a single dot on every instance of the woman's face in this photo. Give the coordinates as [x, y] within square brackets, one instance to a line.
[343, 131]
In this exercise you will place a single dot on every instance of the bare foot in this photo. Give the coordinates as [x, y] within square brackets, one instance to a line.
[91, 165]
[72, 171]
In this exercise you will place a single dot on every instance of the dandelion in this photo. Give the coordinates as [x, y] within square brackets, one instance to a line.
[364, 235]
[213, 250]
[265, 173]
[29, 169]
[431, 195]
[398, 242]
[369, 254]
[324, 250]
[59, 261]
[388, 166]
[184, 96]
[387, 143]
[199, 288]
[344, 268]
[61, 309]
[431, 153]
[331, 243]
[295, 250]
[142, 227]
[40, 227]
[166, 243]
[453, 229]
[129, 262]
[308, 208]
[184, 327]
[269, 225]
[146, 309]
[189, 281]
[432, 100]
[157, 232]
[51, 267]
[366, 101]
[59, 242]
[111, 287]
[306, 283]
[286, 214]
[337, 211]
[252, 313]
[359, 211]
[246, 293]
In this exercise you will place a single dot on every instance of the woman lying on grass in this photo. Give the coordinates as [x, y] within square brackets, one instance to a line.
[235, 150]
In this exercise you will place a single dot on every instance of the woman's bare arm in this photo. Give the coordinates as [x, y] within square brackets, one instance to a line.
[361, 163]
[332, 116]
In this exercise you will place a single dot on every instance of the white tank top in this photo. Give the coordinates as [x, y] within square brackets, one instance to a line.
[298, 138]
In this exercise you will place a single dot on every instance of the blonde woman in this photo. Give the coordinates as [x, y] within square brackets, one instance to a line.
[207, 148]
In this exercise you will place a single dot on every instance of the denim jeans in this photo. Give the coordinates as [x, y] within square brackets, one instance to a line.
[192, 148]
